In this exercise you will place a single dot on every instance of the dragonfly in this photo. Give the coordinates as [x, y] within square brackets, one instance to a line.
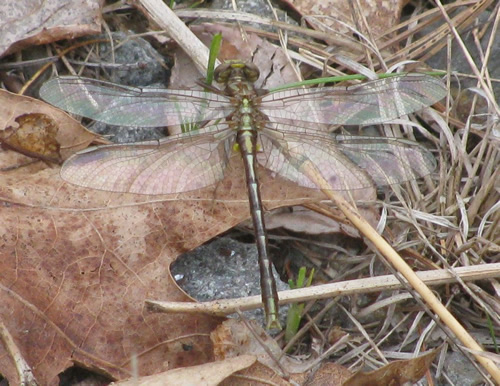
[279, 131]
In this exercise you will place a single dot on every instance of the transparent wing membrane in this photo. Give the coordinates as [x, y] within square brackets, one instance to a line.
[346, 162]
[197, 159]
[176, 164]
[131, 106]
[387, 160]
[287, 157]
[368, 103]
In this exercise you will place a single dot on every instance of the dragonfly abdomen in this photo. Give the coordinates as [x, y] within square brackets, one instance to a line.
[247, 141]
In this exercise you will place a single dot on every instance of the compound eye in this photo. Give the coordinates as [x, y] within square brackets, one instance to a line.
[221, 73]
[251, 72]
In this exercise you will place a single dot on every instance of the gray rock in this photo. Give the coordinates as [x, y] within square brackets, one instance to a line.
[223, 269]
[461, 371]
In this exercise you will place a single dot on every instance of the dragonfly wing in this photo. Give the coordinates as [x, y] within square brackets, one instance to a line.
[285, 153]
[388, 160]
[176, 164]
[346, 162]
[131, 106]
[368, 103]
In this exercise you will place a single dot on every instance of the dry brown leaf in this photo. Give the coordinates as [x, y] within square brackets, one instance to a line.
[303, 220]
[35, 137]
[395, 373]
[272, 72]
[26, 22]
[233, 338]
[33, 128]
[76, 266]
[208, 374]
[257, 374]
[380, 15]
[329, 374]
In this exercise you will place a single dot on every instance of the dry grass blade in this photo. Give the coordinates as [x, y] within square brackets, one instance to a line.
[402, 267]
[432, 42]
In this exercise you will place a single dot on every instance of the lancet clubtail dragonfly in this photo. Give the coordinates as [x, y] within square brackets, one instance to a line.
[274, 130]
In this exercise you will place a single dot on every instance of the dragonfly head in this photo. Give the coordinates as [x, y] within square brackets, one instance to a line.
[236, 69]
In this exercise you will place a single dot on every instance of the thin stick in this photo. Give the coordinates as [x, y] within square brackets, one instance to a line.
[327, 291]
[168, 20]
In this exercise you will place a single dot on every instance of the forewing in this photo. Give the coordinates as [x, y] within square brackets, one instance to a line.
[131, 106]
[176, 164]
[345, 162]
[368, 103]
